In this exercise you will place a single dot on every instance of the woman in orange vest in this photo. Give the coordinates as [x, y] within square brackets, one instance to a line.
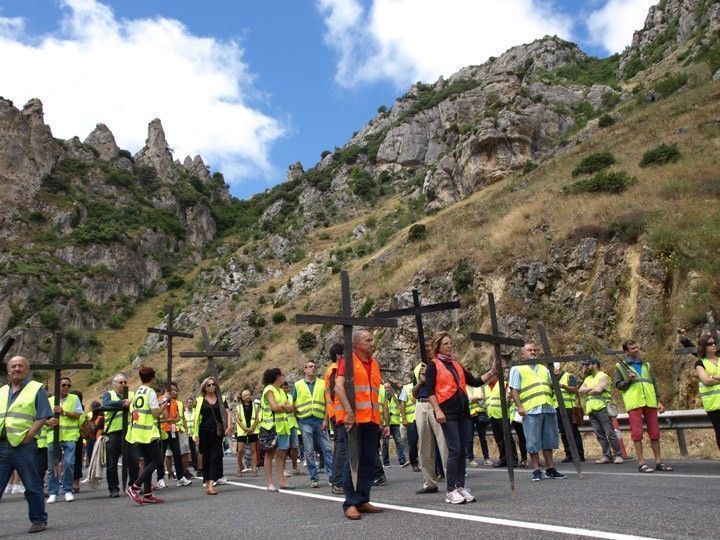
[445, 381]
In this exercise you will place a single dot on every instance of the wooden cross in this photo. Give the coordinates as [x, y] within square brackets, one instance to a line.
[416, 311]
[347, 321]
[712, 328]
[496, 339]
[170, 333]
[547, 360]
[6, 347]
[57, 366]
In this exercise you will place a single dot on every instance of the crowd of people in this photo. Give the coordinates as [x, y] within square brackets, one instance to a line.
[432, 421]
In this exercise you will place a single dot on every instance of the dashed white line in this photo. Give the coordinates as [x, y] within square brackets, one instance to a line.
[669, 475]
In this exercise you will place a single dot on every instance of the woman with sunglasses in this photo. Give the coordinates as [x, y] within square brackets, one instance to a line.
[274, 426]
[708, 372]
[209, 432]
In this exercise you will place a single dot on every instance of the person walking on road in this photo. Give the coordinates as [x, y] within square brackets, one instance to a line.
[172, 422]
[209, 433]
[708, 371]
[407, 415]
[24, 410]
[569, 391]
[274, 427]
[634, 378]
[364, 417]
[393, 421]
[113, 434]
[189, 413]
[479, 422]
[70, 411]
[596, 387]
[246, 430]
[531, 390]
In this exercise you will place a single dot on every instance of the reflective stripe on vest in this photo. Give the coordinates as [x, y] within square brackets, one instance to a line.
[241, 420]
[310, 404]
[190, 421]
[494, 405]
[367, 393]
[270, 419]
[116, 424]
[409, 404]
[445, 383]
[568, 397]
[394, 410]
[535, 388]
[291, 418]
[640, 393]
[596, 402]
[69, 427]
[143, 427]
[20, 416]
[710, 395]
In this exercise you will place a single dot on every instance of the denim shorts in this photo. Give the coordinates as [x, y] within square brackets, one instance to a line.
[294, 442]
[541, 432]
[283, 442]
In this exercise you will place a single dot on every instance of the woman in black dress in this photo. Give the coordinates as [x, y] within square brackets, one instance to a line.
[209, 432]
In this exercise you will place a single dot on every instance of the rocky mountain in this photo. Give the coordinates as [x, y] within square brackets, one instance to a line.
[572, 187]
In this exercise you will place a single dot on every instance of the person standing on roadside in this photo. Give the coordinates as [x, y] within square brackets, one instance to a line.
[707, 369]
[209, 433]
[596, 387]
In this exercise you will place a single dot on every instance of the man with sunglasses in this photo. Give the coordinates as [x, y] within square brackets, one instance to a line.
[113, 434]
[70, 409]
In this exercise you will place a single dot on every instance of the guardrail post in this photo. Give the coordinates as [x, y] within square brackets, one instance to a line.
[682, 443]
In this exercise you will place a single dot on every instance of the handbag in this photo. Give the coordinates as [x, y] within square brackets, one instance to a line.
[267, 439]
[612, 410]
[219, 426]
[577, 415]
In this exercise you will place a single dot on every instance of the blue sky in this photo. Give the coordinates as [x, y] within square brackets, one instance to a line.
[253, 86]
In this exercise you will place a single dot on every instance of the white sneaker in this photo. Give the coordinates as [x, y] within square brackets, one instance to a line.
[286, 474]
[473, 463]
[184, 482]
[220, 481]
[454, 497]
[246, 469]
[18, 489]
[617, 460]
[8, 489]
[466, 494]
[489, 462]
[161, 484]
[51, 499]
[69, 497]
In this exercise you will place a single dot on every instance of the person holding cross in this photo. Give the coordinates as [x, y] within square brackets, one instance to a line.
[531, 390]
[24, 410]
[113, 434]
[70, 410]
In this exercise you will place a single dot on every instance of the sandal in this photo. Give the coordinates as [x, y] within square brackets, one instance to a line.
[663, 468]
[644, 468]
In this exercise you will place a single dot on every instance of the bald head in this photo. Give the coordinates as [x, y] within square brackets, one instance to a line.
[18, 369]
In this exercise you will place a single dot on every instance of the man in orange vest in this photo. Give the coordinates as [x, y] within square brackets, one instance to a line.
[365, 419]
[333, 404]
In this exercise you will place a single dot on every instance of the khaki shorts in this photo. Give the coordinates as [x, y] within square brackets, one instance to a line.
[184, 443]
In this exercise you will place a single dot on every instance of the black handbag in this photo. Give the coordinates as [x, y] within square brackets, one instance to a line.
[267, 439]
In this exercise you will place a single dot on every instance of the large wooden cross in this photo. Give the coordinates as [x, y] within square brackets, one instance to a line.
[347, 321]
[57, 366]
[496, 339]
[548, 359]
[170, 333]
[712, 328]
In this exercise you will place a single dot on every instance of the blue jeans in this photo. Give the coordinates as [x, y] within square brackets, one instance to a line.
[368, 436]
[24, 459]
[68, 462]
[311, 430]
[541, 432]
[399, 448]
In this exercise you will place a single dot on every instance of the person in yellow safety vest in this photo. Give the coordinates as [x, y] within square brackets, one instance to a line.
[708, 372]
[407, 416]
[494, 411]
[190, 424]
[247, 418]
[531, 390]
[635, 380]
[274, 427]
[24, 410]
[70, 410]
[312, 413]
[479, 423]
[394, 421]
[569, 391]
[292, 421]
[172, 422]
[144, 432]
[596, 387]
[113, 434]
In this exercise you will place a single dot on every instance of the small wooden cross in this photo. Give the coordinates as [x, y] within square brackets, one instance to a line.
[347, 321]
[496, 339]
[170, 333]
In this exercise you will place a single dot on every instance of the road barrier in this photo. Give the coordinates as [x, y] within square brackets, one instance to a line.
[677, 420]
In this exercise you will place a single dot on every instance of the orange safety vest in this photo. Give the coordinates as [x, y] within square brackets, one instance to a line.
[172, 414]
[367, 392]
[332, 402]
[445, 384]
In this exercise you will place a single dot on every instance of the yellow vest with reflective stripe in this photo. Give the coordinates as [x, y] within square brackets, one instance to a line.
[641, 393]
[710, 395]
[20, 416]
[394, 410]
[271, 419]
[596, 402]
[478, 406]
[494, 405]
[143, 427]
[190, 421]
[291, 418]
[568, 397]
[410, 403]
[42, 437]
[240, 418]
[69, 427]
[116, 424]
[535, 388]
[310, 404]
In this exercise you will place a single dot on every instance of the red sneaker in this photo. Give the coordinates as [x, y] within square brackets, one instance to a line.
[134, 494]
[152, 499]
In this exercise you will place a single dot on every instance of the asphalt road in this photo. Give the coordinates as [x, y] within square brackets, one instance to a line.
[609, 502]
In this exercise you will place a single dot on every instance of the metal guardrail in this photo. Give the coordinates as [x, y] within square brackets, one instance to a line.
[677, 420]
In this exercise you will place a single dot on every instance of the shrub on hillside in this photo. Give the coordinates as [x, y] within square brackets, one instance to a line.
[463, 277]
[670, 84]
[661, 155]
[417, 232]
[629, 227]
[306, 341]
[529, 167]
[594, 163]
[174, 281]
[603, 182]
[278, 317]
[606, 121]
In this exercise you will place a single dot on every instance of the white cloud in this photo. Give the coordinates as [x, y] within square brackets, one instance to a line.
[612, 26]
[408, 40]
[124, 73]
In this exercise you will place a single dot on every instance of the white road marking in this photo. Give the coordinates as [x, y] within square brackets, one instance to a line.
[669, 475]
[590, 533]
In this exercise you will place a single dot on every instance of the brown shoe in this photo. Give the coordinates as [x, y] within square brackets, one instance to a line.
[37, 527]
[210, 490]
[352, 513]
[367, 508]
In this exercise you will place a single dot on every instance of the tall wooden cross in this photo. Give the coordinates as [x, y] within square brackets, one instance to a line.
[170, 333]
[548, 359]
[416, 311]
[347, 321]
[57, 366]
[496, 339]
[7, 344]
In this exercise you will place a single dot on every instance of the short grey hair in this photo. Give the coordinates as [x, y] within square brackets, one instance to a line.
[119, 376]
[25, 361]
[357, 332]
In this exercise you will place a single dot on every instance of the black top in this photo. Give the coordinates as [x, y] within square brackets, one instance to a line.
[699, 363]
[208, 414]
[457, 406]
[247, 411]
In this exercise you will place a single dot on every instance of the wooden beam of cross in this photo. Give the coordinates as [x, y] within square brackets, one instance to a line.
[170, 333]
[347, 321]
[57, 366]
[712, 327]
[496, 340]
[5, 348]
[416, 311]
[548, 359]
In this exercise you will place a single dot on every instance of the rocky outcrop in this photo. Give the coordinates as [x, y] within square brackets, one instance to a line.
[201, 227]
[295, 170]
[103, 141]
[196, 166]
[156, 153]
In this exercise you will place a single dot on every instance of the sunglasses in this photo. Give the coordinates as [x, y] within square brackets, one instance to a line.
[122, 382]
[64, 386]
[210, 384]
[710, 343]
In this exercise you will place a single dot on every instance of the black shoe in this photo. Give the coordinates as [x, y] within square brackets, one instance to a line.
[37, 527]
[425, 490]
[500, 464]
[566, 460]
[380, 481]
[114, 494]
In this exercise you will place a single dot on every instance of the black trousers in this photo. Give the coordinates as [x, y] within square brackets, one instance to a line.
[211, 448]
[42, 454]
[77, 473]
[497, 429]
[715, 419]
[412, 436]
[368, 440]
[113, 451]
[152, 454]
[173, 443]
[479, 423]
[193, 451]
[575, 433]
[339, 454]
